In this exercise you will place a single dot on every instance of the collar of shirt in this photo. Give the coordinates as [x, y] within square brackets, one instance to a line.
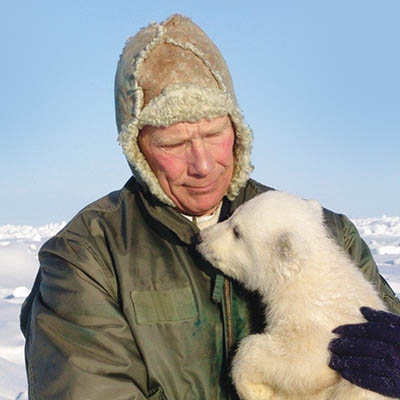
[204, 221]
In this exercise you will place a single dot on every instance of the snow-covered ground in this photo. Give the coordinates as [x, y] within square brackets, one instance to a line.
[18, 266]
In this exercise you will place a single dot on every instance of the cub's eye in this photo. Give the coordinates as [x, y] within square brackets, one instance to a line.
[236, 232]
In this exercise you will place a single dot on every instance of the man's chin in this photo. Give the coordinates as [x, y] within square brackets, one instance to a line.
[199, 207]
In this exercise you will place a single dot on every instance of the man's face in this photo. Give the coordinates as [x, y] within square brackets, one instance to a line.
[193, 162]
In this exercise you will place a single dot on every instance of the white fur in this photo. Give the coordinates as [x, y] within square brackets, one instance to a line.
[278, 245]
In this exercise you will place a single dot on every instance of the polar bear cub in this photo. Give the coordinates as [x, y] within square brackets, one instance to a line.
[277, 244]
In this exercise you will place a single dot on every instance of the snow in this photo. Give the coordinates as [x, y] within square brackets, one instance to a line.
[18, 266]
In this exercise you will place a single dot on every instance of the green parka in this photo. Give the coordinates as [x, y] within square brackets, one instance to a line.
[124, 308]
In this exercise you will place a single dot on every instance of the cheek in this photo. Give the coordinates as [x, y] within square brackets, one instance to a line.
[224, 152]
[164, 165]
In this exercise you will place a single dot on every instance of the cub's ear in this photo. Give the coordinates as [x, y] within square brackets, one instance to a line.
[284, 246]
[288, 260]
[315, 208]
[314, 204]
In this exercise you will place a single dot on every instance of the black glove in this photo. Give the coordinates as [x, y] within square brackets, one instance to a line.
[368, 354]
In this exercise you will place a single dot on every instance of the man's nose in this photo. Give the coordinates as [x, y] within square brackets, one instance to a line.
[201, 160]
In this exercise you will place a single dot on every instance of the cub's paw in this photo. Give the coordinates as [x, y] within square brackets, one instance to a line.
[248, 390]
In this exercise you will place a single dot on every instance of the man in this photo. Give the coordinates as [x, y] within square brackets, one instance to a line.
[123, 307]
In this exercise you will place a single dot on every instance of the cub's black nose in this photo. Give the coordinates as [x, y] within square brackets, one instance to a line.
[197, 239]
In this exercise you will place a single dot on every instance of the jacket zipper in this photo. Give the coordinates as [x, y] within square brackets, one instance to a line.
[228, 315]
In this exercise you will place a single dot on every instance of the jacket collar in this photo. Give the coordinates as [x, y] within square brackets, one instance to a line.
[173, 225]
[165, 219]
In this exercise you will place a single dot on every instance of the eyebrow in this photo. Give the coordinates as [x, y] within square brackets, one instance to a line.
[165, 140]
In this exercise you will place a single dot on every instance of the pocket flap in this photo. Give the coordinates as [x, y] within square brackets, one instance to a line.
[172, 305]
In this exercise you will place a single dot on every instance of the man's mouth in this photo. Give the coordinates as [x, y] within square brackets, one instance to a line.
[201, 188]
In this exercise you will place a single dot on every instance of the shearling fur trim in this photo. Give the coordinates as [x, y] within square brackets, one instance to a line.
[140, 167]
[185, 102]
[242, 151]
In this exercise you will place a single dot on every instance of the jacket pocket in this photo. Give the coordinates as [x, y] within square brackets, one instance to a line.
[152, 306]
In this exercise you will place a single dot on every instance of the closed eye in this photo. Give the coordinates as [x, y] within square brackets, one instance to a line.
[236, 232]
[172, 145]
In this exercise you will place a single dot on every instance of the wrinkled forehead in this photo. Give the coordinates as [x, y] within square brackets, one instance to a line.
[202, 127]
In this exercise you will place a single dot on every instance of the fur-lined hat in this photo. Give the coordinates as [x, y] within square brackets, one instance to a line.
[172, 72]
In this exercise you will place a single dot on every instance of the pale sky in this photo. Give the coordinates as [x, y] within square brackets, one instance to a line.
[318, 82]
